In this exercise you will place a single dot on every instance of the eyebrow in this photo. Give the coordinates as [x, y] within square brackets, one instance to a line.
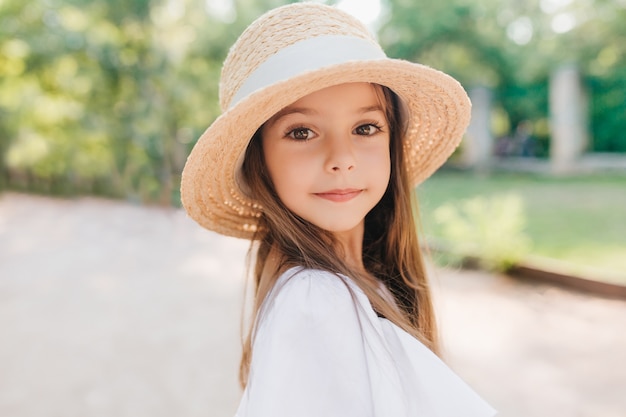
[290, 110]
[367, 109]
[308, 111]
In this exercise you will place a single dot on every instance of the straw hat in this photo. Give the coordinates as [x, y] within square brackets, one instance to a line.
[285, 55]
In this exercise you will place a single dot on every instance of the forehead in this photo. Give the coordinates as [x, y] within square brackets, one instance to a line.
[359, 92]
[339, 99]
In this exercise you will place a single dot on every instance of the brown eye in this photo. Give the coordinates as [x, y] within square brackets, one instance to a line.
[301, 133]
[366, 130]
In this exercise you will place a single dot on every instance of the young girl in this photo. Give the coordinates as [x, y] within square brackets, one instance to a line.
[321, 142]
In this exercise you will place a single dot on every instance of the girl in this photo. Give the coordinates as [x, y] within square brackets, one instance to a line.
[321, 141]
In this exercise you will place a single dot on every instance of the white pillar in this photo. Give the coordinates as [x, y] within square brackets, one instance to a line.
[478, 145]
[568, 119]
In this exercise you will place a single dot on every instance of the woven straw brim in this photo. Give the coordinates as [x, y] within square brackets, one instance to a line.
[438, 114]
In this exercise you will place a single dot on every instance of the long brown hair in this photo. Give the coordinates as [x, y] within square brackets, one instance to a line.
[391, 251]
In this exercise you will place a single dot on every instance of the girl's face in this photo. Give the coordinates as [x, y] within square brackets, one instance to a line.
[328, 155]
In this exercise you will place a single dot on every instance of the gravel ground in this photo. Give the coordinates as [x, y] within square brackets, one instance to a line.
[110, 309]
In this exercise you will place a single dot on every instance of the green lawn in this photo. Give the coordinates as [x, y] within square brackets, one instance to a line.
[578, 220]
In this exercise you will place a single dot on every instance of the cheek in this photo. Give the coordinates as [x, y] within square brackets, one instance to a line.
[378, 163]
[385, 162]
[286, 169]
[385, 175]
[272, 158]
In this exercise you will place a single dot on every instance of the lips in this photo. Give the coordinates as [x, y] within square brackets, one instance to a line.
[340, 196]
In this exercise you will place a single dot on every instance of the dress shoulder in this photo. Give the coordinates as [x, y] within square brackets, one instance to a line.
[308, 356]
[312, 294]
[320, 350]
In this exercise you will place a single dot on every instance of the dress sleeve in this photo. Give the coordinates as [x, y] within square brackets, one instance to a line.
[308, 356]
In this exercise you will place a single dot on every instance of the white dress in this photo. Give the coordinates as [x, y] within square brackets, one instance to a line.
[319, 352]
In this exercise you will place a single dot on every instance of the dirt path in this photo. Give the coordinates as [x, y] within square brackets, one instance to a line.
[109, 309]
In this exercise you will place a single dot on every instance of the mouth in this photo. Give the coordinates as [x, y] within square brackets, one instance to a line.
[340, 196]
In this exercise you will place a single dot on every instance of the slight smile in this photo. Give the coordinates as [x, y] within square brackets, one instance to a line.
[340, 196]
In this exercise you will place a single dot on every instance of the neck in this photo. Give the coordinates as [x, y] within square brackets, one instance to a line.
[351, 246]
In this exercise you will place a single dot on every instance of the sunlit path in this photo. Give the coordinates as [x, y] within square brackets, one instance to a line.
[111, 309]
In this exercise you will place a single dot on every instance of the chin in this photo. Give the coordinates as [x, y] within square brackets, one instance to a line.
[341, 228]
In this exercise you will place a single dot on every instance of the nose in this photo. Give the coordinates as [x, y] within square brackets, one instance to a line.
[340, 153]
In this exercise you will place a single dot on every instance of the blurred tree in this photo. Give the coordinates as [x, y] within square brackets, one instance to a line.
[603, 43]
[513, 46]
[108, 96]
[452, 35]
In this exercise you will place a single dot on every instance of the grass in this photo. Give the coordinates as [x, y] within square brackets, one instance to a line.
[580, 221]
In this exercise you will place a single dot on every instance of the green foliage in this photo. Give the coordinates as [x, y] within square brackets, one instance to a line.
[576, 220]
[490, 229]
[108, 96]
[608, 111]
[513, 47]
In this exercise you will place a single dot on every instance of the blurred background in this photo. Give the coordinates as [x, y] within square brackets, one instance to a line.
[113, 303]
